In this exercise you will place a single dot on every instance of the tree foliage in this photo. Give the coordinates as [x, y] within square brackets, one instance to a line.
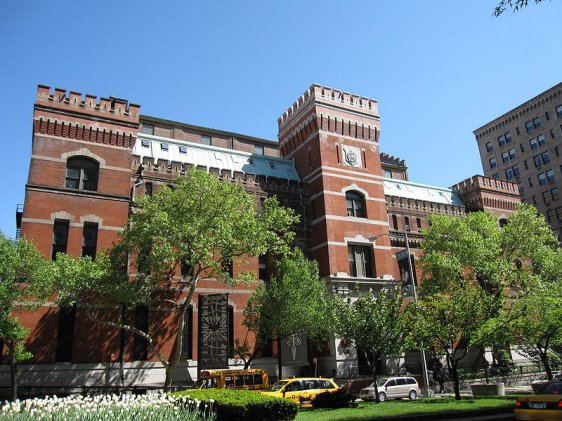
[475, 272]
[514, 5]
[21, 270]
[379, 324]
[196, 227]
[294, 300]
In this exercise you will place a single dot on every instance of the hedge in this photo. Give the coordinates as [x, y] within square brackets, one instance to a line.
[243, 405]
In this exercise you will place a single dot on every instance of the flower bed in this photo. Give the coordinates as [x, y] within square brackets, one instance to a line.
[109, 407]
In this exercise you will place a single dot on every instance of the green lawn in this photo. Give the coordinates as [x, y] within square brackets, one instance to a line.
[370, 410]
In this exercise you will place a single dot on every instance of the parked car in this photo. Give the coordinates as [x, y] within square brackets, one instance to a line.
[301, 390]
[545, 405]
[392, 388]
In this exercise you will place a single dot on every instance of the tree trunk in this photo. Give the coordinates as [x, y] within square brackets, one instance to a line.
[178, 344]
[279, 361]
[377, 400]
[13, 371]
[544, 359]
[455, 374]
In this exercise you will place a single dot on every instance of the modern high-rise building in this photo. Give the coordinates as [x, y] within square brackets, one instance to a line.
[92, 157]
[524, 146]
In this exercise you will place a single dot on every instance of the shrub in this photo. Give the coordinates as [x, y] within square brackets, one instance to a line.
[341, 398]
[243, 405]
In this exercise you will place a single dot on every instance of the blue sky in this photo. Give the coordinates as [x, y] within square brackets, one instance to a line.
[439, 68]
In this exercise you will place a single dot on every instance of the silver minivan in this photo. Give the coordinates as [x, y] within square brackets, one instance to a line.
[392, 388]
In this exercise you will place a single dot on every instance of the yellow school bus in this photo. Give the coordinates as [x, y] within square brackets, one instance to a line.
[250, 379]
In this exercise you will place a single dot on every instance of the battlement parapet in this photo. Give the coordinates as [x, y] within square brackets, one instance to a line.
[390, 159]
[331, 97]
[111, 108]
[481, 182]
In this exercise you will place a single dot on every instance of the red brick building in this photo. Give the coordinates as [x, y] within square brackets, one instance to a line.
[91, 157]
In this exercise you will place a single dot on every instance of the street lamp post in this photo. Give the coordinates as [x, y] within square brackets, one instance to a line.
[415, 294]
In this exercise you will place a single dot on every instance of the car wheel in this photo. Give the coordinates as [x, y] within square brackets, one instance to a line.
[413, 395]
[382, 396]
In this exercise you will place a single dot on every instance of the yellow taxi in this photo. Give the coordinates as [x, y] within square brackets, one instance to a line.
[546, 405]
[301, 390]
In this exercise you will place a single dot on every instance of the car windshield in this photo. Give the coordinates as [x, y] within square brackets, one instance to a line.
[552, 389]
[277, 386]
[380, 382]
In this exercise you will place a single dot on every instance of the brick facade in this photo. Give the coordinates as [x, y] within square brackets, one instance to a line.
[327, 166]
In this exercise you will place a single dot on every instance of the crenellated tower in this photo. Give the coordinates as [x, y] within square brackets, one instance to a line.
[332, 136]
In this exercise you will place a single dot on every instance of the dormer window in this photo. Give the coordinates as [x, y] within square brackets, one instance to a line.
[183, 149]
[145, 143]
[164, 146]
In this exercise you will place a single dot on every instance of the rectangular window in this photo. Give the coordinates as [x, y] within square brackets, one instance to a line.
[148, 129]
[541, 139]
[493, 163]
[418, 222]
[557, 150]
[140, 346]
[509, 173]
[262, 268]
[522, 147]
[550, 215]
[530, 182]
[407, 223]
[495, 175]
[545, 158]
[512, 154]
[360, 262]
[183, 149]
[489, 147]
[145, 143]
[547, 115]
[501, 140]
[258, 149]
[60, 237]
[538, 161]
[516, 171]
[187, 334]
[526, 164]
[552, 134]
[559, 111]
[550, 176]
[505, 157]
[546, 197]
[554, 193]
[534, 144]
[507, 137]
[164, 146]
[529, 126]
[542, 179]
[517, 131]
[206, 140]
[559, 213]
[148, 188]
[65, 334]
[536, 122]
[89, 239]
[394, 222]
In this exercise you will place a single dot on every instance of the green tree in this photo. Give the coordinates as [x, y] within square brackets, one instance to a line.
[540, 332]
[198, 226]
[515, 5]
[377, 324]
[451, 323]
[294, 300]
[505, 263]
[21, 267]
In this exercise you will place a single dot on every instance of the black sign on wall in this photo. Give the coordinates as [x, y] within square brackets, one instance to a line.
[212, 343]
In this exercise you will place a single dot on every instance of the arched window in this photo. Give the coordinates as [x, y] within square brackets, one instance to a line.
[82, 173]
[355, 204]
